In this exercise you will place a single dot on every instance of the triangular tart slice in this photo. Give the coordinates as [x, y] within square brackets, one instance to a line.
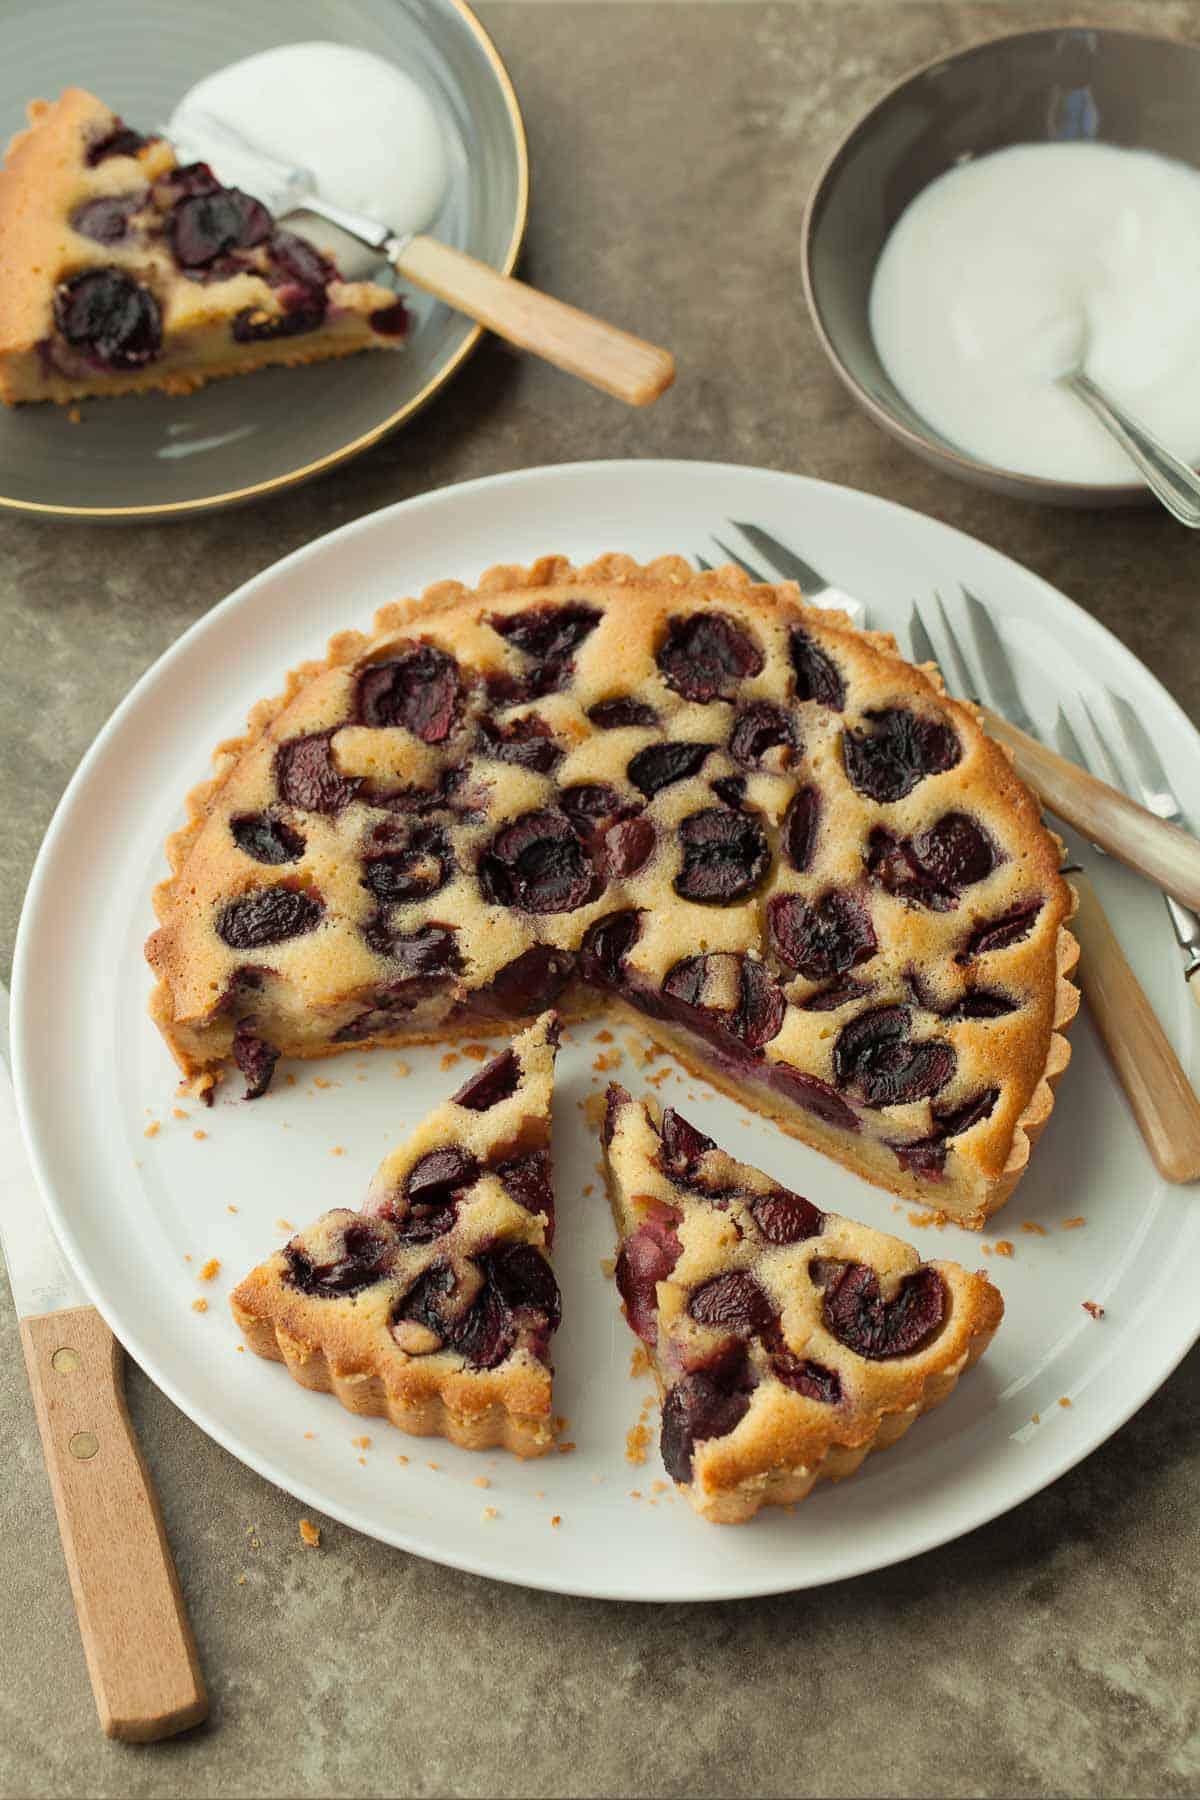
[435, 1305]
[121, 270]
[787, 1342]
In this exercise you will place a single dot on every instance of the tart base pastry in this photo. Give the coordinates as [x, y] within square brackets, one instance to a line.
[787, 1343]
[434, 1307]
[784, 849]
[121, 271]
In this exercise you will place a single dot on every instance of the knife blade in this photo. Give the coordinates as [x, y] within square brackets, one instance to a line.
[141, 1655]
[996, 666]
[815, 587]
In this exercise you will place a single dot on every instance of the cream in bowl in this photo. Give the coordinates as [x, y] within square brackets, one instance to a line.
[1011, 269]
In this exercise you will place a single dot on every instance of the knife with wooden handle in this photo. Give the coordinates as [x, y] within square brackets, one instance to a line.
[140, 1652]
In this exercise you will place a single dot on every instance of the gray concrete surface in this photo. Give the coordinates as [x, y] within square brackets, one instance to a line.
[1053, 1652]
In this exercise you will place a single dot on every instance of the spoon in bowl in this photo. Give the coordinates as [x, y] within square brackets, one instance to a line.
[1169, 480]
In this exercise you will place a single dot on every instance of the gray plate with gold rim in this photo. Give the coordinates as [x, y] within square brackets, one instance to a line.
[158, 455]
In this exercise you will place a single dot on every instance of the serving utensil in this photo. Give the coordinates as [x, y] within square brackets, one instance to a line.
[1168, 479]
[141, 1656]
[611, 359]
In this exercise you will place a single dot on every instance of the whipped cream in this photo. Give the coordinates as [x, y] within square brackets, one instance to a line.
[368, 132]
[1014, 267]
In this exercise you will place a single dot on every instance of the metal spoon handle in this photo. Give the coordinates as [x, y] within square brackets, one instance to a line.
[1177, 486]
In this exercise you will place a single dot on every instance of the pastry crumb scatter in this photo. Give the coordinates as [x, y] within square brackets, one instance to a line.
[199, 1136]
[231, 1208]
[482, 1481]
[1035, 1418]
[74, 416]
[284, 1225]
[657, 1080]
[402, 1459]
[588, 1190]
[152, 1129]
[363, 1461]
[1033, 1228]
[322, 1081]
[986, 1248]
[241, 1581]
[637, 1442]
[659, 1487]
[635, 1493]
[211, 1268]
[1063, 1400]
[489, 1513]
[476, 1052]
[603, 1036]
[608, 1059]
[291, 1080]
[401, 1067]
[593, 1109]
[565, 1449]
[200, 1306]
[449, 1058]
[1075, 1223]
[608, 1267]
[433, 1465]
[310, 1534]
[337, 1150]
[556, 1519]
[539, 1493]
[921, 1218]
[241, 1349]
[177, 1112]
[361, 1443]
[639, 1361]
[1004, 1247]
[309, 1434]
[1094, 1308]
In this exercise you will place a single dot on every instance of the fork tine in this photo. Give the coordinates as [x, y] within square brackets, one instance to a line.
[957, 661]
[702, 564]
[1068, 742]
[1114, 770]
[741, 562]
[919, 638]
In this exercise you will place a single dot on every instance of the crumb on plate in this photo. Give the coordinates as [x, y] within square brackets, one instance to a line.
[310, 1534]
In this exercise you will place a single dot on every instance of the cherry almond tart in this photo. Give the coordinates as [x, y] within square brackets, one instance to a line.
[122, 271]
[685, 797]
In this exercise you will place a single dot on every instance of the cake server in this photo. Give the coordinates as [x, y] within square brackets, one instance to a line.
[141, 1656]
[1154, 847]
[603, 354]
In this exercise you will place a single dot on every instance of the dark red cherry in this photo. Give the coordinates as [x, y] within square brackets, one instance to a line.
[817, 675]
[365, 1257]
[439, 1175]
[120, 141]
[611, 715]
[296, 262]
[255, 325]
[528, 984]
[419, 690]
[878, 1061]
[812, 1379]
[786, 1218]
[647, 1257]
[526, 1284]
[800, 824]
[526, 1179]
[824, 937]
[111, 317]
[254, 1057]
[706, 1404]
[682, 1145]
[628, 846]
[425, 1222]
[106, 221]
[956, 851]
[537, 865]
[886, 763]
[528, 742]
[725, 856]
[839, 993]
[982, 1003]
[761, 728]
[430, 953]
[999, 934]
[307, 778]
[706, 654]
[892, 862]
[606, 944]
[616, 1097]
[858, 1316]
[421, 867]
[495, 1082]
[758, 1016]
[731, 789]
[927, 1156]
[548, 634]
[266, 839]
[661, 765]
[814, 1095]
[732, 1302]
[267, 916]
[202, 227]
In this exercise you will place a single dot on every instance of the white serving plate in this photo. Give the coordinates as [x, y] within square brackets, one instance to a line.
[130, 1210]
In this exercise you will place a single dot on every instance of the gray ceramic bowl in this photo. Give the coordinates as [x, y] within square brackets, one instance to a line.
[1114, 86]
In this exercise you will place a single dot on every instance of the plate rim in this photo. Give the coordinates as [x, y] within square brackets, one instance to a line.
[503, 1565]
[166, 510]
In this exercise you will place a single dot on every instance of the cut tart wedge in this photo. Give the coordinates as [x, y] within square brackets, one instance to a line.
[787, 1342]
[121, 271]
[755, 829]
[435, 1305]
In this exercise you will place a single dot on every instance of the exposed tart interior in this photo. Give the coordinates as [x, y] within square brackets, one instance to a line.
[435, 1305]
[782, 847]
[787, 1342]
[121, 271]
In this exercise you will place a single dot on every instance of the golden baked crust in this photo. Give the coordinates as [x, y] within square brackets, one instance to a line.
[960, 960]
[48, 177]
[788, 1343]
[352, 1302]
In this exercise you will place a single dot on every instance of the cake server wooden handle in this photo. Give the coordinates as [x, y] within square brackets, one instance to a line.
[1163, 853]
[141, 1656]
[609, 358]
[1163, 1101]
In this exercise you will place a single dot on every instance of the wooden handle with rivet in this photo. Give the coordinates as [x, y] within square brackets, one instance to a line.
[1164, 853]
[140, 1652]
[603, 354]
[1163, 1101]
